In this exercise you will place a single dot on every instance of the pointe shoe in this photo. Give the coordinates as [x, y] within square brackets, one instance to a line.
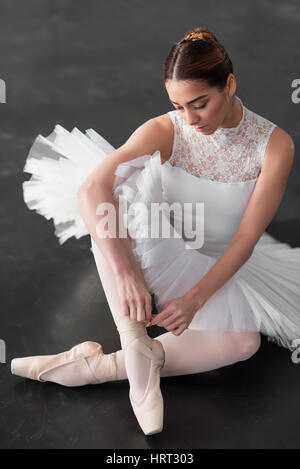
[149, 410]
[34, 367]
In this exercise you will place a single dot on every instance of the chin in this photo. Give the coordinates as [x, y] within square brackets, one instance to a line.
[209, 132]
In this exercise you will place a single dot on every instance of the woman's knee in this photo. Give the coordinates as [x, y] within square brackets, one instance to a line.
[247, 343]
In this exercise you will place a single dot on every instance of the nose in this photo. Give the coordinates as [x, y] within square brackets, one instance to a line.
[192, 118]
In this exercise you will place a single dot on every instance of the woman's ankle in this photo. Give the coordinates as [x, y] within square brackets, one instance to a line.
[121, 369]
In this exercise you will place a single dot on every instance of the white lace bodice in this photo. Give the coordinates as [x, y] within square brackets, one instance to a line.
[232, 154]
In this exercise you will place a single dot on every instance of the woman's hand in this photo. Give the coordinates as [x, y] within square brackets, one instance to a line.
[134, 296]
[177, 314]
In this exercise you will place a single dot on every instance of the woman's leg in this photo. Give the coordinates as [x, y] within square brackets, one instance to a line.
[198, 351]
[191, 352]
[134, 365]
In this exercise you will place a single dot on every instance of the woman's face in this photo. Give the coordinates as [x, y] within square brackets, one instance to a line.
[210, 107]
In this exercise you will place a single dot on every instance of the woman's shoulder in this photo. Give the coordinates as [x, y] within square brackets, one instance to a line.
[164, 121]
[280, 140]
[279, 152]
[281, 136]
[270, 137]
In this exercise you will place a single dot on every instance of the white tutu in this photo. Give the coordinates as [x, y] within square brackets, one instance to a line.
[264, 295]
[59, 164]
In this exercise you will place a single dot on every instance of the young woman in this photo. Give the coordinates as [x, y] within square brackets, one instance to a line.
[214, 298]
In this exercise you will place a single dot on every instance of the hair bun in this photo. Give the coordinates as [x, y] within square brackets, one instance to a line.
[199, 34]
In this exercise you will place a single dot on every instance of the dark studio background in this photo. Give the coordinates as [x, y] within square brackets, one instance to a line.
[97, 64]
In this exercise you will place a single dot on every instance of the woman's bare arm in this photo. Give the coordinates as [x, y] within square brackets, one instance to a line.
[97, 188]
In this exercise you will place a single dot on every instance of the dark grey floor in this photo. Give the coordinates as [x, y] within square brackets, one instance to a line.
[99, 64]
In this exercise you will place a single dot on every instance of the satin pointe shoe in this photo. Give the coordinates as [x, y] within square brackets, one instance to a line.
[104, 369]
[149, 410]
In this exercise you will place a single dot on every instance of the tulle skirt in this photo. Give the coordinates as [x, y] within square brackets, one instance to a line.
[263, 296]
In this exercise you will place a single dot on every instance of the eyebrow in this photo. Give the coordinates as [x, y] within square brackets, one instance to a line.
[193, 100]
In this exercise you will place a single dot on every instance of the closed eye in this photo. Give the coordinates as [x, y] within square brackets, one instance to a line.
[199, 107]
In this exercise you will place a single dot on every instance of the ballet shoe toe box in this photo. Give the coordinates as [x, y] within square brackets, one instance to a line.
[34, 367]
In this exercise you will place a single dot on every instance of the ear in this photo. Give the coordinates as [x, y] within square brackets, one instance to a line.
[231, 84]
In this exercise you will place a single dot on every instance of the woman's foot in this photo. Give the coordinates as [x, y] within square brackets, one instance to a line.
[83, 364]
[144, 359]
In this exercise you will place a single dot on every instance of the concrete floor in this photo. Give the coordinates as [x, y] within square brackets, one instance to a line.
[99, 64]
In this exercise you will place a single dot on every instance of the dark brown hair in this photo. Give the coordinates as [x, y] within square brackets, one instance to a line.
[198, 56]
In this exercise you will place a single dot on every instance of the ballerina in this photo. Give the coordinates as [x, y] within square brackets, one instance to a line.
[215, 300]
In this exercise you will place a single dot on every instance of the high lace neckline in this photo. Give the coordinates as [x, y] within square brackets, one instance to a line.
[233, 130]
[230, 154]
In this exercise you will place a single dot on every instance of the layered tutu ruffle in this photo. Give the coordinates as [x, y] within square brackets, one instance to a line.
[59, 164]
[251, 300]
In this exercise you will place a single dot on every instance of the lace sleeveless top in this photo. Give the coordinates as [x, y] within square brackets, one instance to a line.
[232, 154]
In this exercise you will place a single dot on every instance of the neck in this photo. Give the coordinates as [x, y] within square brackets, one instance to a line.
[234, 114]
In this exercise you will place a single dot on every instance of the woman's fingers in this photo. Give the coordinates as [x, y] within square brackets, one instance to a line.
[179, 329]
[171, 322]
[174, 324]
[133, 312]
[137, 301]
[144, 309]
[148, 307]
[125, 308]
[140, 311]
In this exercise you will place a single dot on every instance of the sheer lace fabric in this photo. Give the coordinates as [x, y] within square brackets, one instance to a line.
[228, 155]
